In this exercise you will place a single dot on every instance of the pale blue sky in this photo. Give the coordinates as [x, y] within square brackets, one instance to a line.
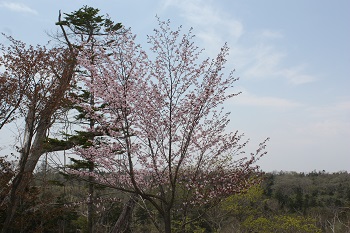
[292, 57]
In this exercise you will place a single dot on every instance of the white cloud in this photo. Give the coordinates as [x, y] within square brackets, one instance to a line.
[270, 34]
[212, 26]
[249, 99]
[343, 106]
[328, 123]
[327, 128]
[338, 110]
[264, 62]
[18, 7]
[296, 75]
[267, 63]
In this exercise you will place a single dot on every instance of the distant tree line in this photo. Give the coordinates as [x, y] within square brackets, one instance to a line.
[283, 202]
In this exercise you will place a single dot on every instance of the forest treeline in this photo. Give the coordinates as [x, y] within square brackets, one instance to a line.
[283, 202]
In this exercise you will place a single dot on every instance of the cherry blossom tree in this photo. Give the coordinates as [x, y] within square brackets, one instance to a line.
[166, 137]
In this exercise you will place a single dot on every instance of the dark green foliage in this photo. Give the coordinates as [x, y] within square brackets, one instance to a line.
[81, 164]
[82, 138]
[320, 195]
[299, 191]
[87, 21]
[42, 212]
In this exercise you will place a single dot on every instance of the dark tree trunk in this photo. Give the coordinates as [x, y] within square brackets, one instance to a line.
[91, 211]
[30, 157]
[124, 221]
[18, 186]
[167, 221]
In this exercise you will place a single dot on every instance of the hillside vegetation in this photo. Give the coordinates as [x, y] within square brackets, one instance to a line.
[284, 202]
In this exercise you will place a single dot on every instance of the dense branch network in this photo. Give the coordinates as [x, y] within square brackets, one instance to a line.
[166, 126]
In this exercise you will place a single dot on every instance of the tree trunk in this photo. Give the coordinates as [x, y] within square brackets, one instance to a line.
[26, 168]
[125, 218]
[14, 199]
[167, 221]
[91, 203]
[91, 178]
